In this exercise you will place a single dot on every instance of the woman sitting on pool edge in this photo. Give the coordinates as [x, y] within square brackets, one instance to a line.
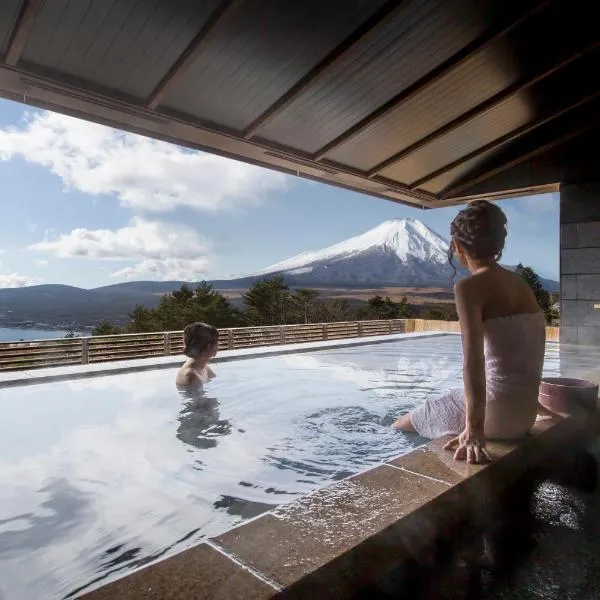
[503, 338]
[200, 345]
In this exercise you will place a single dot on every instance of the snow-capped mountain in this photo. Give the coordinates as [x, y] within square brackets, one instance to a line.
[399, 252]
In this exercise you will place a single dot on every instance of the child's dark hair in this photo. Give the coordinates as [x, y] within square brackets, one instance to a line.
[480, 228]
[197, 337]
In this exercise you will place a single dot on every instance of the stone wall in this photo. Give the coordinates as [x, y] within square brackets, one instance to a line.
[580, 264]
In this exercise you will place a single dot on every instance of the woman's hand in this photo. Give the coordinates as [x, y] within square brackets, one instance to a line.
[470, 446]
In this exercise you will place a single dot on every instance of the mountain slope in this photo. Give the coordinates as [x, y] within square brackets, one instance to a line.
[400, 252]
[397, 253]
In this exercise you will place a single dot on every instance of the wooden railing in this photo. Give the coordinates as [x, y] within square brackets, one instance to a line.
[36, 354]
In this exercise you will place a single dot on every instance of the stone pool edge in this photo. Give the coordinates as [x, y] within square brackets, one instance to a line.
[51, 374]
[335, 539]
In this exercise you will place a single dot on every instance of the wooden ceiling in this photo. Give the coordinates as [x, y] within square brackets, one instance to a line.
[424, 102]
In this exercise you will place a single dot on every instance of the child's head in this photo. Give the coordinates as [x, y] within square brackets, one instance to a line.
[200, 338]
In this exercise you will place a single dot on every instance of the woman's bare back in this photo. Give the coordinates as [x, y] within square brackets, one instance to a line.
[501, 292]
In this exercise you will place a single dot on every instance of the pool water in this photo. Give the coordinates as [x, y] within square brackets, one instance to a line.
[103, 475]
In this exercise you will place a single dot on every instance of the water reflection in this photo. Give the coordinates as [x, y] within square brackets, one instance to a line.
[200, 424]
[64, 509]
[103, 475]
[241, 507]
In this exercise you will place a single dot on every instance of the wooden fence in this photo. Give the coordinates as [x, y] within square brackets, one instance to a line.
[15, 356]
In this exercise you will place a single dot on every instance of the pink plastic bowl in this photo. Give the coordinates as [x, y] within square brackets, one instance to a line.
[561, 394]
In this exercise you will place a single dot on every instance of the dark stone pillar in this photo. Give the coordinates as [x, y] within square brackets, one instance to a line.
[580, 264]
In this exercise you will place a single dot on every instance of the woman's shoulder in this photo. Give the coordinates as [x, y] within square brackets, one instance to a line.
[467, 285]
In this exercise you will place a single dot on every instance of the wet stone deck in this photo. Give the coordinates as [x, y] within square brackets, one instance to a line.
[563, 562]
[553, 550]
[383, 533]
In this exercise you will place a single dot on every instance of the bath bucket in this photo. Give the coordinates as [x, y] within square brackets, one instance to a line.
[565, 395]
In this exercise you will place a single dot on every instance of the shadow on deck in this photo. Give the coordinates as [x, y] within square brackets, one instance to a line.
[541, 543]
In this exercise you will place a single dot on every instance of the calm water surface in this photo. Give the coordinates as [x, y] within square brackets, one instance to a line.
[103, 475]
[11, 334]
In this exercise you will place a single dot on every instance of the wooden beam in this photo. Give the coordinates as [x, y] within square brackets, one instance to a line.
[509, 137]
[509, 193]
[436, 74]
[360, 35]
[490, 103]
[21, 31]
[193, 50]
[448, 194]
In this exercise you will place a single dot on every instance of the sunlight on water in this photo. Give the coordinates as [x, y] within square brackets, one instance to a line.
[103, 475]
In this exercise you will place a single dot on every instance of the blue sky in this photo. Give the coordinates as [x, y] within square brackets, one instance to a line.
[88, 206]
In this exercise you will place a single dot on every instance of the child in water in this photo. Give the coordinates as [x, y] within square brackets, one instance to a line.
[200, 345]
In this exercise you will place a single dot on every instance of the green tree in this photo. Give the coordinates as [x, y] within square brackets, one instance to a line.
[185, 305]
[440, 312]
[268, 302]
[542, 296]
[305, 301]
[403, 309]
[334, 311]
[385, 308]
[106, 328]
[176, 310]
[142, 320]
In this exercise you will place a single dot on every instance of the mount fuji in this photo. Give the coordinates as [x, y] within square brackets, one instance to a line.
[399, 252]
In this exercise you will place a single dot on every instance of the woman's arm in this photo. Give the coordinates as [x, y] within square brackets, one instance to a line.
[471, 323]
[470, 445]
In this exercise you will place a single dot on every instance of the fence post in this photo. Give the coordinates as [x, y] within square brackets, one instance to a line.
[85, 351]
[390, 326]
[360, 328]
[282, 334]
[167, 343]
[324, 331]
[230, 339]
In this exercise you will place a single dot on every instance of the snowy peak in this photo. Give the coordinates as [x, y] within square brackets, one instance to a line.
[407, 239]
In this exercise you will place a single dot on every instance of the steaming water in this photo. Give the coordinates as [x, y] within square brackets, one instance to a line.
[102, 475]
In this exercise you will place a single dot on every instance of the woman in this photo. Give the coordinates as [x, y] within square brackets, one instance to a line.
[201, 342]
[503, 337]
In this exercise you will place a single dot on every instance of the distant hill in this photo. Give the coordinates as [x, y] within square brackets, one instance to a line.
[397, 253]
[65, 306]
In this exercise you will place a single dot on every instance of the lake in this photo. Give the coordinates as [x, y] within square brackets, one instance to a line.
[9, 334]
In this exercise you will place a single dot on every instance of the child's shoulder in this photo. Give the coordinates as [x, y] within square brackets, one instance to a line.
[186, 376]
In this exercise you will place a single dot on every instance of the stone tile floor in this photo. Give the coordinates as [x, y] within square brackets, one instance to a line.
[562, 561]
[553, 553]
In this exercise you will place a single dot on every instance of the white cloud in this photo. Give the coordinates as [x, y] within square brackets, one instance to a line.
[160, 250]
[41, 263]
[146, 175]
[168, 269]
[14, 280]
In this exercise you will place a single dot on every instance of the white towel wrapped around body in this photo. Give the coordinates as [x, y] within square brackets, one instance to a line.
[514, 360]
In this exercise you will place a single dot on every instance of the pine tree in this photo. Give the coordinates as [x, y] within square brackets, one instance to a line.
[543, 298]
[178, 309]
[305, 300]
[106, 328]
[268, 302]
[385, 308]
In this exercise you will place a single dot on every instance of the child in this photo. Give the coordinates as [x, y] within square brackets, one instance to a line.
[200, 345]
